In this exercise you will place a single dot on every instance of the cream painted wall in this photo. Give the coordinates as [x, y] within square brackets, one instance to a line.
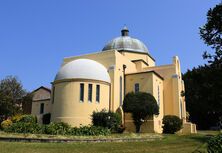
[148, 82]
[173, 85]
[113, 61]
[67, 106]
[41, 96]
[36, 109]
[135, 56]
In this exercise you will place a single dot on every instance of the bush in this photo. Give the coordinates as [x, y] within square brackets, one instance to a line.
[57, 128]
[22, 127]
[142, 105]
[46, 118]
[26, 126]
[172, 124]
[106, 119]
[17, 118]
[214, 145]
[89, 131]
[28, 119]
[6, 123]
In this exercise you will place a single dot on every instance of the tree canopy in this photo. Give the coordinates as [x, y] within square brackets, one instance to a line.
[211, 33]
[142, 105]
[11, 96]
[203, 84]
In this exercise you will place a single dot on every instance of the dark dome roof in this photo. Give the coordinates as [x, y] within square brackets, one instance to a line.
[126, 43]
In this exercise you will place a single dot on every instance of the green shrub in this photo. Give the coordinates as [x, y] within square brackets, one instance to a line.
[46, 118]
[22, 127]
[89, 131]
[6, 123]
[28, 119]
[214, 145]
[17, 118]
[57, 128]
[172, 124]
[142, 105]
[106, 119]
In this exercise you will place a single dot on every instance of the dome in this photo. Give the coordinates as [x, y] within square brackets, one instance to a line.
[83, 69]
[126, 43]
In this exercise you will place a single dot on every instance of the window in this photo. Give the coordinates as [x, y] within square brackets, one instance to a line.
[137, 87]
[90, 93]
[53, 94]
[81, 92]
[120, 90]
[42, 108]
[158, 94]
[181, 109]
[97, 93]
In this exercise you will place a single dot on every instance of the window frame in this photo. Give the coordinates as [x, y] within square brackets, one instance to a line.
[81, 94]
[90, 91]
[41, 108]
[158, 95]
[136, 87]
[98, 93]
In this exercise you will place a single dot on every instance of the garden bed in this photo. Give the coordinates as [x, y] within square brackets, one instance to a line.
[129, 137]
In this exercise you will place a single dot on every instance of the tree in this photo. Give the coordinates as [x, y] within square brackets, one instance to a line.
[142, 106]
[203, 95]
[11, 94]
[211, 33]
[203, 84]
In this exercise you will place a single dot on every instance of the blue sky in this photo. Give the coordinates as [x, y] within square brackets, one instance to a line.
[35, 36]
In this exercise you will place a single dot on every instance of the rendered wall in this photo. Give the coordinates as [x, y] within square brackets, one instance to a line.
[135, 56]
[114, 62]
[41, 96]
[67, 106]
[148, 82]
[173, 85]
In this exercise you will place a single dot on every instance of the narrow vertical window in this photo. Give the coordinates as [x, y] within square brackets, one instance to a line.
[137, 87]
[158, 94]
[53, 94]
[120, 90]
[181, 109]
[42, 108]
[90, 93]
[81, 92]
[97, 93]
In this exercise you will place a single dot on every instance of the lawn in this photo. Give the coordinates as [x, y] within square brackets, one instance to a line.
[168, 144]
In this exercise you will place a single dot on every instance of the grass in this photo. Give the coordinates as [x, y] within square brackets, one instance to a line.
[168, 144]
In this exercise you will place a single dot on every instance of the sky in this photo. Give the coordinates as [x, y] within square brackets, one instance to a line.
[35, 35]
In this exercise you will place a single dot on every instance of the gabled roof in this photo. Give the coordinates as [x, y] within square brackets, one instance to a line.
[157, 74]
[42, 87]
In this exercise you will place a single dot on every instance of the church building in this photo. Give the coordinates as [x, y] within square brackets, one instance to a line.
[100, 80]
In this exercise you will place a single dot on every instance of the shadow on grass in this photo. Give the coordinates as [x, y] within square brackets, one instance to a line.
[202, 139]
